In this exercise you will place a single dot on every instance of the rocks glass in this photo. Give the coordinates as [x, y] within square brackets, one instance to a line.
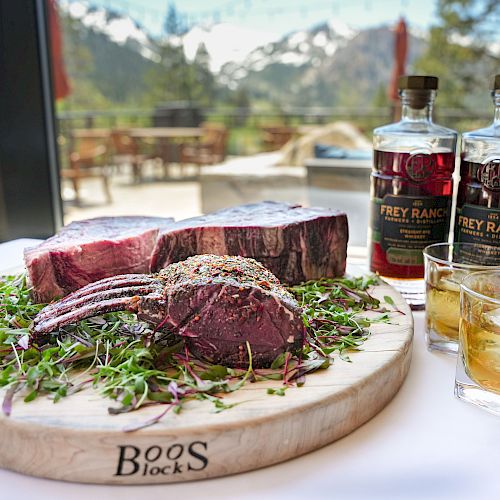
[446, 265]
[478, 367]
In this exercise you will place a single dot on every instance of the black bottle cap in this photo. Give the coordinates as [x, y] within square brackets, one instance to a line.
[496, 83]
[418, 82]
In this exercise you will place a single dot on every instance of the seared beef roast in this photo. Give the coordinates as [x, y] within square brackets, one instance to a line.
[88, 250]
[294, 243]
[220, 305]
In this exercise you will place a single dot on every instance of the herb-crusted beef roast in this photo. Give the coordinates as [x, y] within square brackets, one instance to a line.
[221, 305]
[295, 243]
[89, 250]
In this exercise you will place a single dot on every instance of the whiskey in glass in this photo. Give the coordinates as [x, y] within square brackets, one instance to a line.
[446, 265]
[478, 367]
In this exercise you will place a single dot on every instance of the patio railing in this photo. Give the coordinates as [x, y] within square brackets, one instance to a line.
[245, 123]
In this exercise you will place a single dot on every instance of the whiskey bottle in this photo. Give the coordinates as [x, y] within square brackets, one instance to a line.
[477, 218]
[411, 189]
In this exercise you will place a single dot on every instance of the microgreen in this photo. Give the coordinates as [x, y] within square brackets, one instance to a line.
[128, 362]
[333, 315]
[280, 391]
[389, 300]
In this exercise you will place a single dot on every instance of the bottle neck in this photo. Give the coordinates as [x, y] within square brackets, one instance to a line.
[417, 115]
[416, 105]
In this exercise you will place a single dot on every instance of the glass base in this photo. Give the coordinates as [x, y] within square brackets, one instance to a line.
[468, 390]
[412, 290]
[439, 343]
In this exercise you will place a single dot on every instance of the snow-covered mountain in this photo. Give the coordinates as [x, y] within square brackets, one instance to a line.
[225, 43]
[232, 49]
[297, 49]
[326, 65]
[120, 29]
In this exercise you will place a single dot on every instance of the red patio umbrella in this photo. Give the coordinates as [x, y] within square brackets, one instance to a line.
[59, 77]
[400, 53]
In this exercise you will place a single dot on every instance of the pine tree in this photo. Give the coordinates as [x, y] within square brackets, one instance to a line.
[175, 78]
[458, 51]
[175, 23]
[203, 83]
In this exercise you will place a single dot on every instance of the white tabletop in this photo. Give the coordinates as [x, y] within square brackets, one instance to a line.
[424, 445]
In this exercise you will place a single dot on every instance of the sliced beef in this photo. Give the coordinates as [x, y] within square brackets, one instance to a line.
[89, 250]
[295, 243]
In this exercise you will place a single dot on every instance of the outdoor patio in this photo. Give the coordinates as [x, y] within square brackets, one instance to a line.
[189, 192]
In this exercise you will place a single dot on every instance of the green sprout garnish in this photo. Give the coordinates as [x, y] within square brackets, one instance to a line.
[114, 354]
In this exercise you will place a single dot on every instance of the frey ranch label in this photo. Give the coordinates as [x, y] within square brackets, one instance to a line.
[404, 225]
[475, 224]
[155, 460]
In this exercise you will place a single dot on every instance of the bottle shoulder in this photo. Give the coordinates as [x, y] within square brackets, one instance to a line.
[422, 128]
[491, 132]
[413, 137]
[479, 146]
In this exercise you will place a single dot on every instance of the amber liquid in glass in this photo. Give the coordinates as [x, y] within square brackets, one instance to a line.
[481, 349]
[411, 204]
[443, 305]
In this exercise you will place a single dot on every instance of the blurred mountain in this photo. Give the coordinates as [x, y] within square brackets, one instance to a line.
[109, 57]
[225, 43]
[324, 66]
[299, 49]
[120, 29]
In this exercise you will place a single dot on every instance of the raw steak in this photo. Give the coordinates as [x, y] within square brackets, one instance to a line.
[295, 243]
[89, 250]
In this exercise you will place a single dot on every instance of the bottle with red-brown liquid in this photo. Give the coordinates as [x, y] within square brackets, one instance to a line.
[477, 219]
[411, 189]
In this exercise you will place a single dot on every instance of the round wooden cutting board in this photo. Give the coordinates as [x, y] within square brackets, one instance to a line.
[77, 440]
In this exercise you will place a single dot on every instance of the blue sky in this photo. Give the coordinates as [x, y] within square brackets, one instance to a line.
[278, 16]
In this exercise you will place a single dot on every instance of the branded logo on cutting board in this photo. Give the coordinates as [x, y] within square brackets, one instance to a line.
[156, 460]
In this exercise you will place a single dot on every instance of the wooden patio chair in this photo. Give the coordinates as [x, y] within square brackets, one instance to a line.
[87, 161]
[210, 150]
[126, 151]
